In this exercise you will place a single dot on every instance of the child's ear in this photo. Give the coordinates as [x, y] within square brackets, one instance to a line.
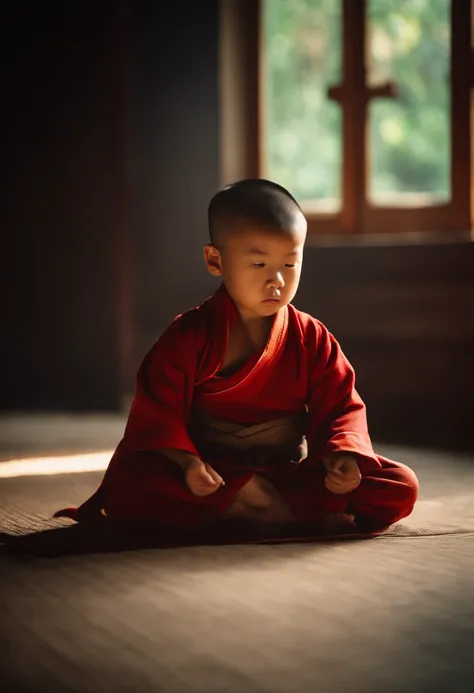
[213, 260]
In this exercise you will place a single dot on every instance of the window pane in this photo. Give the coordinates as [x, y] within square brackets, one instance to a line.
[302, 129]
[409, 136]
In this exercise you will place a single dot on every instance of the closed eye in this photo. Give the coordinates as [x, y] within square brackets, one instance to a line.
[259, 265]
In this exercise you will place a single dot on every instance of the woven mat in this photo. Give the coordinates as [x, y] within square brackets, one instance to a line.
[392, 614]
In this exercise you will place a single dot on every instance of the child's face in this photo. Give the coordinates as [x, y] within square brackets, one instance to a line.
[260, 267]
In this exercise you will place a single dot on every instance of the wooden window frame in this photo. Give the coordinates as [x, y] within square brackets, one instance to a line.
[241, 143]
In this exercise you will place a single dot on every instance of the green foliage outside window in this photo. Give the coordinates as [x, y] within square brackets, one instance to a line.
[408, 137]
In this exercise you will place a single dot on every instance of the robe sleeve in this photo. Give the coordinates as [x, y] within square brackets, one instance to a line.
[164, 390]
[337, 414]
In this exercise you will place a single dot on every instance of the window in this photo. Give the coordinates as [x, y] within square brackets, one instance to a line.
[363, 109]
[359, 112]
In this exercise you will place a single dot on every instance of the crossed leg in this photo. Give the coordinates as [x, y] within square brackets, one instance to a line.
[152, 489]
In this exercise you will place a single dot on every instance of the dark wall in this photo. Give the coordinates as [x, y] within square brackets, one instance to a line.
[111, 157]
[173, 156]
[404, 315]
[63, 212]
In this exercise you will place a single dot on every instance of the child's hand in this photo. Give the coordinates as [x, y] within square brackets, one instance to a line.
[343, 474]
[202, 479]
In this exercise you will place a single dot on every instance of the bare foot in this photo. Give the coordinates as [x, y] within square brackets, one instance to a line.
[258, 500]
[238, 511]
[337, 523]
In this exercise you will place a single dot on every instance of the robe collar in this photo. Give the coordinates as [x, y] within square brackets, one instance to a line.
[223, 315]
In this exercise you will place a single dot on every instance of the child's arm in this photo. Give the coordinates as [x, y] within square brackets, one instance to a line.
[343, 473]
[163, 394]
[182, 458]
[200, 477]
[337, 416]
[160, 408]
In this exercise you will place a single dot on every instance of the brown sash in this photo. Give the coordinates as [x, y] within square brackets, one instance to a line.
[271, 443]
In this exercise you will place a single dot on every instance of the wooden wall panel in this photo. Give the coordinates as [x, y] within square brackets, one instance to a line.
[404, 316]
[410, 312]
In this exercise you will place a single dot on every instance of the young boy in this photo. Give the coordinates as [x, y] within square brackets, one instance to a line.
[245, 408]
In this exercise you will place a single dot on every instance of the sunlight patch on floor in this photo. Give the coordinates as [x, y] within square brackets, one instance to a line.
[65, 464]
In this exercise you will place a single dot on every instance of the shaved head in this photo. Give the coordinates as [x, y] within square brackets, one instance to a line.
[254, 201]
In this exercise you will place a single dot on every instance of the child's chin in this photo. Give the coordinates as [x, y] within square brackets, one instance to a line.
[270, 307]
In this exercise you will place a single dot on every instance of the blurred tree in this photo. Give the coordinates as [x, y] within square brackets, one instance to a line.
[303, 129]
[408, 138]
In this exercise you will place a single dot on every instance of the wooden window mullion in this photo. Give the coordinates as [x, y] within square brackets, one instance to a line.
[462, 81]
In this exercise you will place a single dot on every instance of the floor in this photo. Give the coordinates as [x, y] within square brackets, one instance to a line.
[393, 614]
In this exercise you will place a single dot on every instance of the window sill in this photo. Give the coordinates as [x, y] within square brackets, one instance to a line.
[424, 238]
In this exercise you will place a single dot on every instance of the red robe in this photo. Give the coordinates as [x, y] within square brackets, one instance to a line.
[302, 364]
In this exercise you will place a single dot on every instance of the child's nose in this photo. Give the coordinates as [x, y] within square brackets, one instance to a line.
[276, 281]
